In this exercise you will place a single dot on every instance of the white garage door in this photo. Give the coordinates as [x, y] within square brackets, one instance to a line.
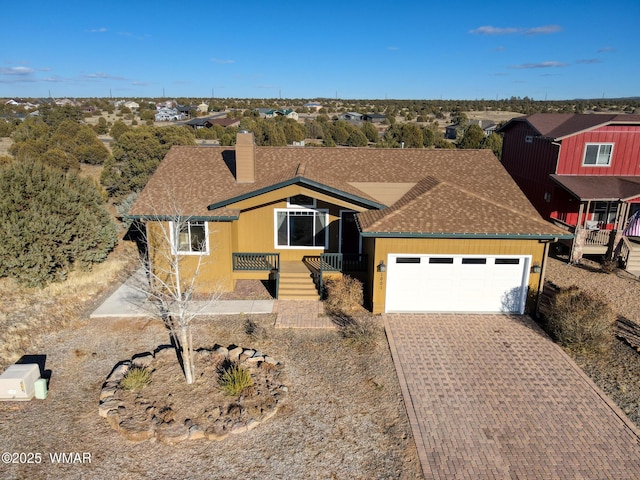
[456, 283]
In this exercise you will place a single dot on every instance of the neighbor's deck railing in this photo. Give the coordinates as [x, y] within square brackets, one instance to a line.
[592, 237]
[565, 226]
[597, 237]
[625, 250]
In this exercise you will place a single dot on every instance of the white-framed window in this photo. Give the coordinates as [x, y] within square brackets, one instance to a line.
[298, 201]
[604, 213]
[528, 139]
[301, 228]
[597, 154]
[190, 238]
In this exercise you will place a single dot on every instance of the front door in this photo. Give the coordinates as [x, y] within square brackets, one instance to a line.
[349, 234]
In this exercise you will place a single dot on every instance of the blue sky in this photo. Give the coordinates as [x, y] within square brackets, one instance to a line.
[372, 49]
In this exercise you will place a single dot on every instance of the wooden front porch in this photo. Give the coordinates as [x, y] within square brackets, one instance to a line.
[625, 250]
[592, 241]
[298, 280]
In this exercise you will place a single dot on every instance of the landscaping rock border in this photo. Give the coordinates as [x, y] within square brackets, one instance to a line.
[138, 418]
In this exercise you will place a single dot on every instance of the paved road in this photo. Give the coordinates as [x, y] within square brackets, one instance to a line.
[491, 397]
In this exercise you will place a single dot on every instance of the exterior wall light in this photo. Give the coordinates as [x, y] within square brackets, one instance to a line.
[536, 268]
[382, 267]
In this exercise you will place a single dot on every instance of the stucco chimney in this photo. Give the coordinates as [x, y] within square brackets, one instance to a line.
[245, 158]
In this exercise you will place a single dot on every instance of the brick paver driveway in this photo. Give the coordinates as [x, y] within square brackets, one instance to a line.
[490, 396]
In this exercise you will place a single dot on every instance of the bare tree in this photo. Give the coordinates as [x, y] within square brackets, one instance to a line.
[177, 249]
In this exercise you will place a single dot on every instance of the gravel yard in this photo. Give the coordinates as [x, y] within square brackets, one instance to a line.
[343, 417]
[617, 373]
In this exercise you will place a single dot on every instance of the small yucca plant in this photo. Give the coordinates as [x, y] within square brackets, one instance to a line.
[136, 378]
[235, 379]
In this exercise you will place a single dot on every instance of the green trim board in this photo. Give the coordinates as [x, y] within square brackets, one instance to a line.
[496, 236]
[195, 218]
[304, 181]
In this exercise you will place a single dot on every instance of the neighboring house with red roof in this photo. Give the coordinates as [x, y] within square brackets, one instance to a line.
[581, 171]
[425, 230]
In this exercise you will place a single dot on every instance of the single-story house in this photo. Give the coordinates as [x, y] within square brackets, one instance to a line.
[454, 131]
[424, 230]
[315, 106]
[208, 122]
[374, 117]
[350, 117]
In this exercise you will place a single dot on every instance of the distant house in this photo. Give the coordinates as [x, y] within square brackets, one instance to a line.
[315, 106]
[225, 122]
[487, 125]
[374, 118]
[64, 102]
[350, 117]
[281, 113]
[20, 103]
[132, 105]
[203, 108]
[185, 110]
[452, 131]
[169, 115]
[197, 123]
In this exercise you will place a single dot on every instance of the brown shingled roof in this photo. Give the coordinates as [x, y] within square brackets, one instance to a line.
[464, 191]
[601, 187]
[560, 125]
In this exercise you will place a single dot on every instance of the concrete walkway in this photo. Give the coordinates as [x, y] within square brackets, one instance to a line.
[127, 301]
[491, 397]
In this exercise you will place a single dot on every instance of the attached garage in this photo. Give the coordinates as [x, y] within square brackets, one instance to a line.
[457, 283]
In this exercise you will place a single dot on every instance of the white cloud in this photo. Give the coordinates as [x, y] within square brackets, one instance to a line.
[22, 71]
[221, 61]
[539, 65]
[491, 30]
[102, 76]
[588, 61]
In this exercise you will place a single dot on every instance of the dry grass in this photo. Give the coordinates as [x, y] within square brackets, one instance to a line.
[344, 295]
[581, 321]
[5, 144]
[26, 312]
[343, 416]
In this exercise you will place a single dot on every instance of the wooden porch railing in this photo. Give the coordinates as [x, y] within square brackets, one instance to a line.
[256, 261]
[335, 262]
[250, 261]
